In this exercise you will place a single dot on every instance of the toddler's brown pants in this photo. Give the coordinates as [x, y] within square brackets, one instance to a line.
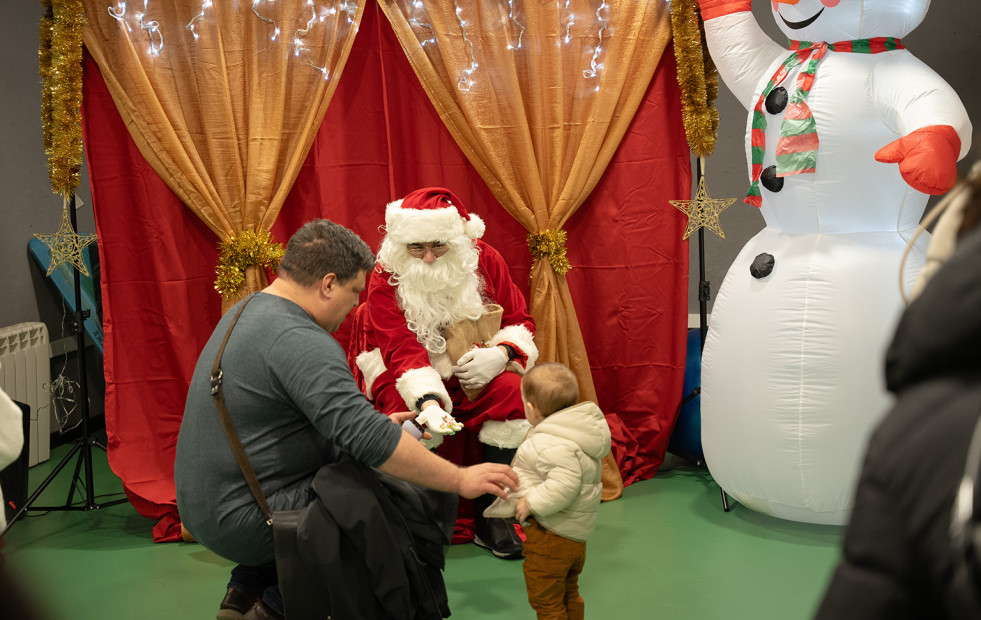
[552, 567]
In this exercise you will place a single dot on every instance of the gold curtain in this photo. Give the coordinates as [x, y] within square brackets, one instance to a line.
[538, 95]
[223, 99]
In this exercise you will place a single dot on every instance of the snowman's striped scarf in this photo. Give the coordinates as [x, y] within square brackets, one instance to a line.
[797, 147]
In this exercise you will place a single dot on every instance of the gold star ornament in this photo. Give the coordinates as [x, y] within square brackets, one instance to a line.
[67, 245]
[703, 210]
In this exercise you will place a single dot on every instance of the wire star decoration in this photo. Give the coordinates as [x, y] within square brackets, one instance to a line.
[703, 210]
[67, 245]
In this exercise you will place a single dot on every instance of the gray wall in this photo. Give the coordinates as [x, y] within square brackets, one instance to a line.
[28, 206]
[945, 41]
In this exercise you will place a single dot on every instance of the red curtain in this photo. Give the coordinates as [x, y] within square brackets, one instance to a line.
[381, 139]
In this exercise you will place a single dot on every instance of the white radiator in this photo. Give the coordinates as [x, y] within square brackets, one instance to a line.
[25, 374]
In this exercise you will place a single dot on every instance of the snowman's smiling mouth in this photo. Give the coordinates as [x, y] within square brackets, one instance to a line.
[804, 24]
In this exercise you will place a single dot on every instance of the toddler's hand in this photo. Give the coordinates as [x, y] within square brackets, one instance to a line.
[521, 510]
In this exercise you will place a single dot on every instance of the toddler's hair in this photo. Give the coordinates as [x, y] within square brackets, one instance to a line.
[550, 387]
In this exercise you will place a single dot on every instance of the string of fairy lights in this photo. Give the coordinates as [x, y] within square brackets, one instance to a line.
[415, 13]
[519, 24]
[415, 22]
[602, 18]
[255, 9]
[466, 77]
[570, 21]
[299, 42]
[592, 28]
[151, 27]
[190, 25]
[136, 19]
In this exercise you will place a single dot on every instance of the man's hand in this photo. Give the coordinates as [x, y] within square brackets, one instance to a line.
[495, 478]
[438, 421]
[402, 417]
[477, 367]
[521, 510]
[399, 417]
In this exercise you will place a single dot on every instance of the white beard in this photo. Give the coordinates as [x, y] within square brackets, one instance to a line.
[435, 295]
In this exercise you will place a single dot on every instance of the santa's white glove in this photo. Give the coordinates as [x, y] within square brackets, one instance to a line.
[438, 421]
[477, 367]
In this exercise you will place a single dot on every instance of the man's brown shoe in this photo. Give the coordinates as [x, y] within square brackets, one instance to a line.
[235, 604]
[261, 612]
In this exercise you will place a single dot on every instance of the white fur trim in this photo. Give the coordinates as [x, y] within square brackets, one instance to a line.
[442, 363]
[507, 434]
[520, 336]
[371, 365]
[423, 225]
[474, 227]
[416, 383]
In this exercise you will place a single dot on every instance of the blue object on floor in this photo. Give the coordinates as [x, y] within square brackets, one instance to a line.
[64, 280]
[686, 438]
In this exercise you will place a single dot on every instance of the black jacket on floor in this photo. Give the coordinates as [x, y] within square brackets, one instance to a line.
[368, 547]
[899, 561]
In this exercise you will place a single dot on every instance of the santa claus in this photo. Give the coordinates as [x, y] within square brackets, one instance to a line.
[445, 331]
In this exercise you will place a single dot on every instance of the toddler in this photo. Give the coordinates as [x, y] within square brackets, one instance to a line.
[559, 470]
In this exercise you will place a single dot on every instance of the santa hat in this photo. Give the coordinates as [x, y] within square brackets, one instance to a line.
[430, 214]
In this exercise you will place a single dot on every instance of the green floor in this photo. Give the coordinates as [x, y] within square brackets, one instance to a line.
[666, 549]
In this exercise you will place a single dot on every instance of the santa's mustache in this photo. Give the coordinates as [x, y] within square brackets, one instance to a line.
[431, 277]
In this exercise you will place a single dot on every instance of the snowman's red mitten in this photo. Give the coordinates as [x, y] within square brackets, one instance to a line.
[718, 8]
[927, 158]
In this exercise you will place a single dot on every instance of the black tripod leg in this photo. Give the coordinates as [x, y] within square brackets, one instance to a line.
[54, 473]
[78, 468]
[725, 501]
[83, 446]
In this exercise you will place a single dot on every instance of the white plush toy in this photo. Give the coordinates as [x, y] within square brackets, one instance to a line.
[847, 134]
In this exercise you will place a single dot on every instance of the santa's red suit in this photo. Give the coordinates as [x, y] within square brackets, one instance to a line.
[395, 370]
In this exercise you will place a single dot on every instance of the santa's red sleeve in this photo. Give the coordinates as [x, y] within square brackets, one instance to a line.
[401, 352]
[517, 326]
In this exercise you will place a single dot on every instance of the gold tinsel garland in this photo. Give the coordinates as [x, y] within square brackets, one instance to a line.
[697, 77]
[60, 58]
[242, 251]
[550, 245]
[44, 62]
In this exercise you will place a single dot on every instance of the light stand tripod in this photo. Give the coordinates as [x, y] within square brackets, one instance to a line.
[83, 445]
[704, 294]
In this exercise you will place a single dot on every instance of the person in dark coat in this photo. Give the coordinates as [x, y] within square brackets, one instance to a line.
[900, 559]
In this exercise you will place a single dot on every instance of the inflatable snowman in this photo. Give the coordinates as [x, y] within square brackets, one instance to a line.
[848, 132]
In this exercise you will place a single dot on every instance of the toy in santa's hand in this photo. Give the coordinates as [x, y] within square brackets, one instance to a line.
[433, 419]
[847, 134]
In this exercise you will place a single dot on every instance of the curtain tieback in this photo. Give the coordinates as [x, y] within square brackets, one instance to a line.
[550, 245]
[242, 251]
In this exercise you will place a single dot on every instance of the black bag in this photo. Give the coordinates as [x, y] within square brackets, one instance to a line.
[369, 546]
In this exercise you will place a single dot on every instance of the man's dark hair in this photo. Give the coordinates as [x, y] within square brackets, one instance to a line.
[321, 247]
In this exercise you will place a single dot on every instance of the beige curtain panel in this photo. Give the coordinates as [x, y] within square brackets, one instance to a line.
[223, 99]
[538, 95]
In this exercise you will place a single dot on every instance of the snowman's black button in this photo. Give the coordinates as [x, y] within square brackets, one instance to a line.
[762, 266]
[776, 101]
[770, 180]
